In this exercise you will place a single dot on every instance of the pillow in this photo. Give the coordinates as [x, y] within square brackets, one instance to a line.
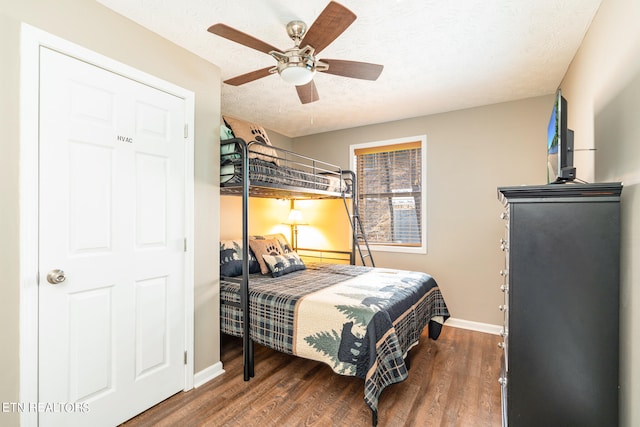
[284, 243]
[225, 132]
[231, 259]
[229, 152]
[283, 264]
[252, 132]
[262, 247]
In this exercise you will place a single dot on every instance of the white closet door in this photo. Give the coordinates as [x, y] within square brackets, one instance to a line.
[112, 197]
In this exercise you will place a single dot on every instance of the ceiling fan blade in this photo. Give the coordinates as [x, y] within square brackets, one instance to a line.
[332, 22]
[308, 93]
[232, 34]
[248, 77]
[353, 69]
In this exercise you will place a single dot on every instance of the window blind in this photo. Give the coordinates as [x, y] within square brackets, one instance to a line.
[389, 193]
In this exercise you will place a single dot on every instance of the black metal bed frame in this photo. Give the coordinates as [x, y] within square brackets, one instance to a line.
[246, 188]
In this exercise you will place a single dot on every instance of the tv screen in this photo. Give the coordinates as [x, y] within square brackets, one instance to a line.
[559, 144]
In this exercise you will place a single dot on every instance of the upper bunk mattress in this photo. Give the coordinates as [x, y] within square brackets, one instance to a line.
[278, 171]
[267, 172]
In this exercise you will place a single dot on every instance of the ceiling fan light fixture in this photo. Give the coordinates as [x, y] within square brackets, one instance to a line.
[297, 74]
[296, 66]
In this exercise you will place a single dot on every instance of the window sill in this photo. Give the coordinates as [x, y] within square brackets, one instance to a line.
[399, 249]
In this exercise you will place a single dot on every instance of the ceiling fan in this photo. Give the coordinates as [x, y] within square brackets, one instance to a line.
[298, 65]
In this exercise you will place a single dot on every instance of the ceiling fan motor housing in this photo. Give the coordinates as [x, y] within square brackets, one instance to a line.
[296, 31]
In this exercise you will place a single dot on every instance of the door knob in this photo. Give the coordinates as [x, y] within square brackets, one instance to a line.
[55, 276]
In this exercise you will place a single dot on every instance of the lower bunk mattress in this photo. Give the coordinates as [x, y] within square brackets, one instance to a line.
[361, 321]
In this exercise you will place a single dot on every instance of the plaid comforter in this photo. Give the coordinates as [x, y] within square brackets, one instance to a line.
[361, 321]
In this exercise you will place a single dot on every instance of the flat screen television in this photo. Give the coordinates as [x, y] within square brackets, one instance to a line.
[559, 144]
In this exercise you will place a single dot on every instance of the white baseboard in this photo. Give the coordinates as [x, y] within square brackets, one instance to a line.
[207, 374]
[474, 326]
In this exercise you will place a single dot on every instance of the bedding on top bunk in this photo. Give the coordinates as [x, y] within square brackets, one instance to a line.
[268, 172]
[265, 166]
[361, 321]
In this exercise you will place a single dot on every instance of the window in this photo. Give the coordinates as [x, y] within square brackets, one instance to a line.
[391, 194]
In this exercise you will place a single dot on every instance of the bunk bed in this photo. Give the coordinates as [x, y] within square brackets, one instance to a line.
[377, 315]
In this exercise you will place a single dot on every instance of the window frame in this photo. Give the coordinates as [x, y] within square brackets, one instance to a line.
[413, 249]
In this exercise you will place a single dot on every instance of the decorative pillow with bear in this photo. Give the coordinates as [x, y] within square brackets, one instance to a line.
[283, 264]
[253, 132]
[262, 247]
[231, 259]
[284, 243]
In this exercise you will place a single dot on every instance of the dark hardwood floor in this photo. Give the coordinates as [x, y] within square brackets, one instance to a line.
[452, 382]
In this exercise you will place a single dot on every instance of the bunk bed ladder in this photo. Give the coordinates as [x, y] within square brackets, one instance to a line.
[357, 230]
[360, 236]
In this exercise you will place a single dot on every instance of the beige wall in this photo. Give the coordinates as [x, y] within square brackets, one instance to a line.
[279, 140]
[602, 87]
[9, 293]
[469, 154]
[267, 216]
[90, 25]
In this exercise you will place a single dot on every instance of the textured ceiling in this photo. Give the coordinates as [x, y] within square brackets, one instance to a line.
[438, 55]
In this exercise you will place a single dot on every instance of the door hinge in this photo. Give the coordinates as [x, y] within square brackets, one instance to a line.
[185, 357]
[185, 244]
[186, 131]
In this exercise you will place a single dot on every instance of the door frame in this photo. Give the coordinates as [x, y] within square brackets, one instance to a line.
[31, 40]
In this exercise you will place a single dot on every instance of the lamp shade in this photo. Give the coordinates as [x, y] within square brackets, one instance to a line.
[295, 218]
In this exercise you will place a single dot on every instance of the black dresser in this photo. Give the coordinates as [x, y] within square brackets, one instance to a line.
[561, 302]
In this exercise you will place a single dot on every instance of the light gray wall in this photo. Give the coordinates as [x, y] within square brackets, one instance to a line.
[602, 87]
[87, 23]
[279, 140]
[469, 154]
